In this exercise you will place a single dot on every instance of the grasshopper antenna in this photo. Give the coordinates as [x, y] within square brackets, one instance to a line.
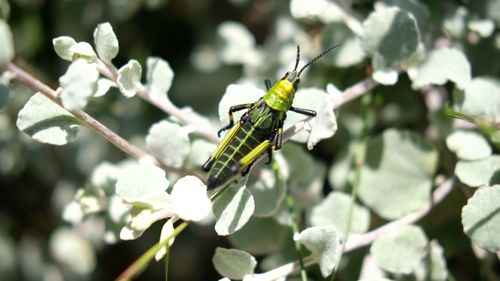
[317, 57]
[298, 58]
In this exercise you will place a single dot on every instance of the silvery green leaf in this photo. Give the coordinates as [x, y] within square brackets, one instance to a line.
[334, 210]
[129, 78]
[64, 243]
[47, 122]
[166, 230]
[200, 151]
[341, 173]
[401, 251]
[323, 126]
[232, 209]
[481, 219]
[79, 83]
[143, 184]
[396, 178]
[383, 73]
[103, 85]
[239, 43]
[442, 65]
[189, 199]
[233, 263]
[140, 220]
[324, 244]
[349, 53]
[237, 94]
[480, 99]
[433, 267]
[169, 143]
[104, 177]
[105, 42]
[62, 46]
[483, 27]
[6, 43]
[268, 192]
[416, 8]
[455, 22]
[82, 50]
[480, 172]
[391, 33]
[322, 10]
[306, 175]
[4, 9]
[159, 77]
[9, 251]
[468, 145]
[260, 236]
[4, 97]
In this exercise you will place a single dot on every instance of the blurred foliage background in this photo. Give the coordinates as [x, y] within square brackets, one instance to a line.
[37, 180]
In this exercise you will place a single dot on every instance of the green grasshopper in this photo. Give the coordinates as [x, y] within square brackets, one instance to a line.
[259, 130]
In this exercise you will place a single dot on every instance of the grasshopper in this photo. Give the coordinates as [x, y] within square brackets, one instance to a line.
[259, 130]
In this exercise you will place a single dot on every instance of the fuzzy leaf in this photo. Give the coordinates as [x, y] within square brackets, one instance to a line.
[349, 53]
[396, 178]
[62, 46]
[143, 184]
[400, 252]
[237, 94]
[46, 121]
[260, 236]
[232, 263]
[129, 78]
[103, 86]
[481, 172]
[383, 73]
[64, 243]
[166, 230]
[82, 50]
[238, 43]
[483, 27]
[480, 99]
[267, 192]
[324, 244]
[159, 77]
[442, 65]
[199, 152]
[391, 33]
[468, 145]
[6, 43]
[79, 84]
[232, 209]
[334, 210]
[189, 199]
[311, 10]
[105, 42]
[169, 142]
[481, 218]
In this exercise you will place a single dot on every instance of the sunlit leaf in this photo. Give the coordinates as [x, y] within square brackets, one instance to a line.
[480, 172]
[62, 46]
[480, 99]
[481, 218]
[232, 209]
[46, 121]
[237, 94]
[64, 243]
[79, 84]
[189, 199]
[400, 251]
[324, 244]
[166, 230]
[468, 145]
[105, 42]
[82, 50]
[169, 143]
[233, 263]
[129, 78]
[159, 77]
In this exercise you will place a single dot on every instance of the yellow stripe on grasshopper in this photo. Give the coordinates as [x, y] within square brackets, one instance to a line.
[254, 154]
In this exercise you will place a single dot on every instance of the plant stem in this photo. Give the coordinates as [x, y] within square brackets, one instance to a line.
[141, 263]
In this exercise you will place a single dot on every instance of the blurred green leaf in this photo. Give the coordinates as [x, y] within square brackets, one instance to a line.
[433, 267]
[480, 99]
[4, 96]
[390, 33]
[159, 77]
[233, 263]
[6, 43]
[64, 243]
[349, 53]
[400, 251]
[481, 172]
[418, 9]
[442, 65]
[481, 218]
[62, 46]
[47, 122]
[199, 152]
[324, 244]
[129, 78]
[455, 21]
[105, 42]
[260, 236]
[334, 210]
[268, 192]
[484, 28]
[396, 178]
[232, 209]
[4, 9]
[169, 143]
[468, 145]
[79, 84]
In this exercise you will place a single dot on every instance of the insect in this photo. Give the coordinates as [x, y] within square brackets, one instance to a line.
[259, 130]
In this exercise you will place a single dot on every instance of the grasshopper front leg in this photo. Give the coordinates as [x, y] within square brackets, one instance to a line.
[233, 109]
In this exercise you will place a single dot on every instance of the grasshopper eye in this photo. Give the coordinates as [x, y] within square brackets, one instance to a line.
[285, 76]
[296, 84]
